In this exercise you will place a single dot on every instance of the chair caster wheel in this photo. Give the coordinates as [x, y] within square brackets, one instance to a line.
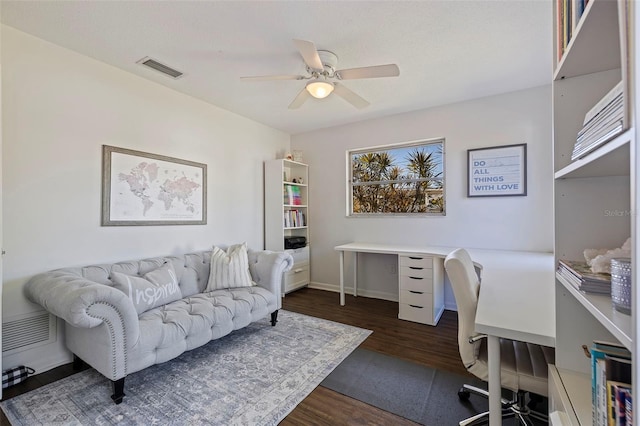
[463, 394]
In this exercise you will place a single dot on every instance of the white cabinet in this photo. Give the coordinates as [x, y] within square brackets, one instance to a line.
[286, 216]
[421, 288]
[596, 200]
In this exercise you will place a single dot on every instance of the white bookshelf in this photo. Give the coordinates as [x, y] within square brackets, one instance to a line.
[595, 199]
[281, 178]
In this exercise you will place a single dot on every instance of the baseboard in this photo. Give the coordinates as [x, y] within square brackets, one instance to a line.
[39, 363]
[450, 307]
[374, 294]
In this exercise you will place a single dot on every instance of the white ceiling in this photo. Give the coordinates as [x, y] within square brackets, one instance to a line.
[447, 50]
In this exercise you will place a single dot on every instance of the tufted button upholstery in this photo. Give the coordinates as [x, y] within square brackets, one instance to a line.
[104, 329]
[167, 331]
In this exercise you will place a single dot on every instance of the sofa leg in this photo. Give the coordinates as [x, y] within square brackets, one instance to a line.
[274, 317]
[77, 363]
[118, 390]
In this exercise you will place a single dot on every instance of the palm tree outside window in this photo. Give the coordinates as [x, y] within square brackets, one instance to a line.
[400, 179]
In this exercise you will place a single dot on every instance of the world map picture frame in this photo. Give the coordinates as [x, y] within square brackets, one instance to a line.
[140, 188]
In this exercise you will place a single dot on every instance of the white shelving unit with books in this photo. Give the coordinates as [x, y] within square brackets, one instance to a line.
[595, 192]
[286, 216]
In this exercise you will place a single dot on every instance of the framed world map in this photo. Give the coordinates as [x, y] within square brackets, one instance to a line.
[139, 188]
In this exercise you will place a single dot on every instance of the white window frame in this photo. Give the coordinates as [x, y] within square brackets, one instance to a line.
[374, 149]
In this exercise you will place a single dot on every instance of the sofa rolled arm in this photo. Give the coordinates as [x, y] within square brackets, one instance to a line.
[267, 267]
[81, 302]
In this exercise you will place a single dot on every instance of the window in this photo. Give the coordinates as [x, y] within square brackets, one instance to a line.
[397, 179]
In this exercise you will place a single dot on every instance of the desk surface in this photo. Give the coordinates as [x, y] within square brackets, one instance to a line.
[517, 295]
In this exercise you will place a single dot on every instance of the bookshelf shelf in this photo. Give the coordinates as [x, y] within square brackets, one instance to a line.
[294, 184]
[611, 159]
[595, 197]
[578, 389]
[592, 49]
[286, 204]
[617, 323]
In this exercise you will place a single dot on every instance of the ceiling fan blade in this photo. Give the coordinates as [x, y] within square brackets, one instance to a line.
[272, 77]
[349, 96]
[389, 70]
[309, 54]
[300, 99]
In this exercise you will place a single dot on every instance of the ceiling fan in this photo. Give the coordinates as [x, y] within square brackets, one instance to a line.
[324, 78]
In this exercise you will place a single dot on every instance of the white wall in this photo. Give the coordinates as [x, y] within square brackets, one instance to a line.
[519, 223]
[59, 108]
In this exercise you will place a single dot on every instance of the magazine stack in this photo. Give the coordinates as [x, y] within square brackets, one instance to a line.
[579, 275]
[601, 123]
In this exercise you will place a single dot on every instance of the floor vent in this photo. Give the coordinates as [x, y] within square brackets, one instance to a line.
[27, 331]
[164, 69]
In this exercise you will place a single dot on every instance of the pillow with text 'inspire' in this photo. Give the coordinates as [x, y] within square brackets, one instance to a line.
[153, 289]
[229, 269]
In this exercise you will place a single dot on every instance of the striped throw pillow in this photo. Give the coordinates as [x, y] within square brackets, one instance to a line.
[229, 269]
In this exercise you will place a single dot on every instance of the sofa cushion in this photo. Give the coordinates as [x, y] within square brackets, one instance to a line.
[167, 331]
[230, 269]
[155, 288]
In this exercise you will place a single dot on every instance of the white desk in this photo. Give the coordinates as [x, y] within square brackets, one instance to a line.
[516, 301]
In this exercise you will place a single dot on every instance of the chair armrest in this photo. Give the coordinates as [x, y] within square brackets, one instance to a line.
[477, 337]
[81, 302]
[267, 267]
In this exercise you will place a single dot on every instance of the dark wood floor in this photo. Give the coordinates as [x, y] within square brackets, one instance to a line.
[432, 346]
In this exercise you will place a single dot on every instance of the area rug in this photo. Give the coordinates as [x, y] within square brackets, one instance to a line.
[425, 395]
[253, 376]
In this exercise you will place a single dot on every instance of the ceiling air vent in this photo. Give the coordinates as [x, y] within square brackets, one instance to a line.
[164, 69]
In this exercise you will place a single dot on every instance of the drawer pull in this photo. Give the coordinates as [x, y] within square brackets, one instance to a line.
[298, 270]
[416, 292]
[416, 267]
[416, 278]
[415, 258]
[416, 306]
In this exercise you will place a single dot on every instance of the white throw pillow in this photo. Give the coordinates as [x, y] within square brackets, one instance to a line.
[230, 269]
[155, 288]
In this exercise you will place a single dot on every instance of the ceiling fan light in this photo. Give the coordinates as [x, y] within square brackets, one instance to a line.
[319, 89]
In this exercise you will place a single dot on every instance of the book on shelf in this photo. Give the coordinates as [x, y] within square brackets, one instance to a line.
[601, 123]
[602, 103]
[580, 276]
[292, 195]
[610, 383]
[569, 13]
[294, 219]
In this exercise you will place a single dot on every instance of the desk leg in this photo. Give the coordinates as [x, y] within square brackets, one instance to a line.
[342, 278]
[495, 391]
[355, 274]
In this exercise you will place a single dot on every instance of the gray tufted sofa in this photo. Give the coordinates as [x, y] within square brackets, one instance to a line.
[104, 330]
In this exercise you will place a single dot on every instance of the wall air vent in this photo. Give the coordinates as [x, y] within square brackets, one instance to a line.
[27, 331]
[157, 66]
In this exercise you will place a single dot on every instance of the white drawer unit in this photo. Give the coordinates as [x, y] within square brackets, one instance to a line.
[416, 261]
[413, 281]
[421, 288]
[297, 277]
[416, 313]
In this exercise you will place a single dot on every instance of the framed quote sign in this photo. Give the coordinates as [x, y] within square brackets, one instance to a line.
[497, 171]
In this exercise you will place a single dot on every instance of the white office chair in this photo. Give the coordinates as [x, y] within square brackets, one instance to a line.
[523, 365]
